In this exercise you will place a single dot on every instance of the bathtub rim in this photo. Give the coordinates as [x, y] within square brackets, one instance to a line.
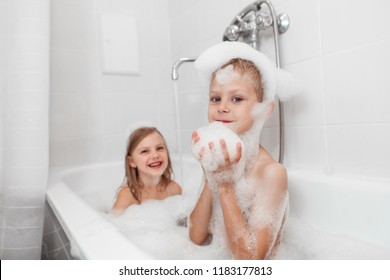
[112, 244]
[78, 228]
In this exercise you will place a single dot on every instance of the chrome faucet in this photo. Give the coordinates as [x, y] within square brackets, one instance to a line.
[251, 20]
[175, 67]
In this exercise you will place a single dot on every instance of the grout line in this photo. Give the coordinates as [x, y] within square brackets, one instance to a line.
[327, 161]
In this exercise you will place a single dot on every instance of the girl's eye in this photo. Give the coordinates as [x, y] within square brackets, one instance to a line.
[144, 151]
[237, 99]
[160, 148]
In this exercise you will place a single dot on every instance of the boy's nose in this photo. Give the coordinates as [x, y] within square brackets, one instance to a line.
[223, 107]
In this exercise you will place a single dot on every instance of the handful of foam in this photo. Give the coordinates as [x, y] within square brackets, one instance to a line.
[214, 132]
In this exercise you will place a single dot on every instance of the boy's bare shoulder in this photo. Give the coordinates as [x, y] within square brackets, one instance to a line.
[270, 171]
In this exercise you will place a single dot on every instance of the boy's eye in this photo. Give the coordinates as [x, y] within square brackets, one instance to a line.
[215, 99]
[144, 151]
[237, 99]
[160, 148]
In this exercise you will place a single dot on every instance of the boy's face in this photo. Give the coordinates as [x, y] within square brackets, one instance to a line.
[232, 102]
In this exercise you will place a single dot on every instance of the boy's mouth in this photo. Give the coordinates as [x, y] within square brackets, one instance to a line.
[224, 121]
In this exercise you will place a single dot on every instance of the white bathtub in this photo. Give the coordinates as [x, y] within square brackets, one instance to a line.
[354, 208]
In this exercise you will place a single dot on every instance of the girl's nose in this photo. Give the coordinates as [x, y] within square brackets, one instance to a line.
[155, 154]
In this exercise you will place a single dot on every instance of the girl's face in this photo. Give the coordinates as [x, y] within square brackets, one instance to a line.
[150, 157]
[231, 103]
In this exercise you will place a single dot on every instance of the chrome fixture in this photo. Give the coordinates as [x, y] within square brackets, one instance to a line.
[253, 19]
[175, 67]
[246, 27]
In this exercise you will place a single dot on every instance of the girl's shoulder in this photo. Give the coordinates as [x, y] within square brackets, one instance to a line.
[124, 198]
[173, 188]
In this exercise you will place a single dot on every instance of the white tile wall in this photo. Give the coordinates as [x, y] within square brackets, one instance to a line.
[91, 112]
[336, 49]
[338, 52]
[346, 25]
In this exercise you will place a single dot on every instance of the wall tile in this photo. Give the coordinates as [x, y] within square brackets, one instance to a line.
[307, 106]
[305, 148]
[193, 111]
[79, 33]
[74, 71]
[360, 150]
[356, 85]
[346, 25]
[302, 39]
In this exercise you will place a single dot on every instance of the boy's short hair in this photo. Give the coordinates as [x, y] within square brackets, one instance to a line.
[247, 68]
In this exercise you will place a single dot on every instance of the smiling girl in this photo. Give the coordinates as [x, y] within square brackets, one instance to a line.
[148, 170]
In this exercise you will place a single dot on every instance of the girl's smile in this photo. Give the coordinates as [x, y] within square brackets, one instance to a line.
[150, 157]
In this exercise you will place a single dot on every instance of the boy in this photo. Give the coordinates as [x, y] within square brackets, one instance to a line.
[246, 212]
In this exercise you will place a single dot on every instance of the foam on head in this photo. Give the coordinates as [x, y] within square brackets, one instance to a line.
[275, 81]
[226, 75]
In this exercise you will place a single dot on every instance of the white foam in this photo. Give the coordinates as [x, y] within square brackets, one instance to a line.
[226, 75]
[153, 227]
[214, 132]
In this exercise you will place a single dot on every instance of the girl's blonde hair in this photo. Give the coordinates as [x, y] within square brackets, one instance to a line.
[132, 179]
[246, 68]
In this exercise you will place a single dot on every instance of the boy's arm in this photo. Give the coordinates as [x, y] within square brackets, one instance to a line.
[200, 217]
[246, 242]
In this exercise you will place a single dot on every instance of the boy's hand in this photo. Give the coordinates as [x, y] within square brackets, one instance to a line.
[229, 163]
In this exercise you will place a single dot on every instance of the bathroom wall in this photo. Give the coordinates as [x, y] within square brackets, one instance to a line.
[91, 112]
[339, 123]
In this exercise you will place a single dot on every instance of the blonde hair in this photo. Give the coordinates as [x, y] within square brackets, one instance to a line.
[247, 68]
[132, 179]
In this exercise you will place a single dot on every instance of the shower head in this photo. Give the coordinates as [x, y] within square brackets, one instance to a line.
[176, 65]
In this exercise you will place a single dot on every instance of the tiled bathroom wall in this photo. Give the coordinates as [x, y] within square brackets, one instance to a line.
[338, 123]
[91, 112]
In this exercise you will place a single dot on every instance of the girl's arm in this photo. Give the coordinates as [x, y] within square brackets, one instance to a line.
[248, 242]
[200, 217]
[123, 200]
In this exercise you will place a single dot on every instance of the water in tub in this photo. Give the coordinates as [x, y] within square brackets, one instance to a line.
[158, 228]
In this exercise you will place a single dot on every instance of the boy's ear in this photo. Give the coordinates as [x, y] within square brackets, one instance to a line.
[263, 110]
[131, 162]
[270, 104]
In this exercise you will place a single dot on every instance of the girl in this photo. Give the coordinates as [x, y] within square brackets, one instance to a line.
[148, 170]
